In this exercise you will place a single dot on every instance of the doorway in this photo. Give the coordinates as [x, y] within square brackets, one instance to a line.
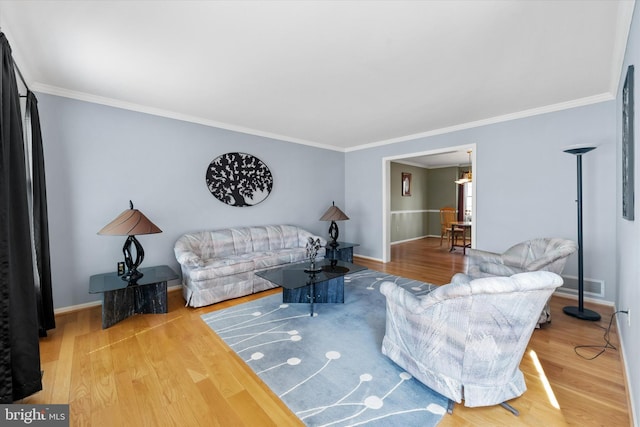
[447, 156]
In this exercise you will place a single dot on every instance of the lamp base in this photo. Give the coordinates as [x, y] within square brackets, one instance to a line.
[584, 314]
[131, 276]
[132, 265]
[333, 234]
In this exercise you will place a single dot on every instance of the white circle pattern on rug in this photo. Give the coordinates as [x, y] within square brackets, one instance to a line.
[328, 369]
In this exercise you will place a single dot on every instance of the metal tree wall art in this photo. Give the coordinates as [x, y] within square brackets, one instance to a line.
[239, 179]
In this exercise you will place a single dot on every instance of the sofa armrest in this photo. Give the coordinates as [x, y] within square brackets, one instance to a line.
[187, 257]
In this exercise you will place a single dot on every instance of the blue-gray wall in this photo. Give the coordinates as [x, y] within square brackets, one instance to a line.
[628, 232]
[524, 185]
[99, 157]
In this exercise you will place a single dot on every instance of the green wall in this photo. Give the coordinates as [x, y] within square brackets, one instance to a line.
[418, 215]
[442, 192]
[408, 213]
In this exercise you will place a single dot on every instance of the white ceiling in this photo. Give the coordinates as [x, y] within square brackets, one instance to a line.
[336, 74]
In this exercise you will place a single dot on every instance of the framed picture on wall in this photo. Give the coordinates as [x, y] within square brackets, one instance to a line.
[627, 147]
[406, 184]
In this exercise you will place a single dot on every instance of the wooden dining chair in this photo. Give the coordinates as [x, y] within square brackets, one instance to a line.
[447, 216]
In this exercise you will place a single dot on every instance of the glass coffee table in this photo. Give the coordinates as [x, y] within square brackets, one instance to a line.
[300, 286]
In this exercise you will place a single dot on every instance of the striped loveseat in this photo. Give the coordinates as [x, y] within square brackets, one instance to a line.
[220, 264]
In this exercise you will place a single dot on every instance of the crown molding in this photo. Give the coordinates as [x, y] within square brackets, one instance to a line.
[81, 96]
[492, 120]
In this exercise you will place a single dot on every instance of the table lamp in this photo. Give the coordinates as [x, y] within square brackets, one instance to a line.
[131, 222]
[334, 214]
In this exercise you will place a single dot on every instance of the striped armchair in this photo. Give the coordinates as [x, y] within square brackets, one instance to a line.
[546, 254]
[466, 341]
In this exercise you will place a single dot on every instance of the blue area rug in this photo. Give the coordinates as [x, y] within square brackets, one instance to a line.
[328, 369]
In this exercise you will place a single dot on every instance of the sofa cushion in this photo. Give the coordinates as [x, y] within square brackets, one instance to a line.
[260, 239]
[271, 259]
[216, 244]
[290, 237]
[274, 237]
[242, 240]
[220, 267]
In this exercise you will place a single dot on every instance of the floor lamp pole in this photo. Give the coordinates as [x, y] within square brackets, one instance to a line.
[580, 312]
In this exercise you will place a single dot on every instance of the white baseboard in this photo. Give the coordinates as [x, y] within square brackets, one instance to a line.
[409, 240]
[625, 365]
[367, 257]
[76, 307]
[71, 308]
[570, 296]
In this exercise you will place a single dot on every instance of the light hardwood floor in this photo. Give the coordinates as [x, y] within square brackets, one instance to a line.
[173, 370]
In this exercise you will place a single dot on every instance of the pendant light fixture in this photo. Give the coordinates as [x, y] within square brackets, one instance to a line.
[467, 176]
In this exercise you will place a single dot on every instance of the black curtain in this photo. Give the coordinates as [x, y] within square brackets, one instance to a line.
[44, 297]
[19, 347]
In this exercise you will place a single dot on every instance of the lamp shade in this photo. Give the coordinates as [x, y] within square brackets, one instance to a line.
[131, 222]
[334, 214]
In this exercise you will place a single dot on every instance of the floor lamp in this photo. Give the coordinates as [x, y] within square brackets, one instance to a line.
[580, 312]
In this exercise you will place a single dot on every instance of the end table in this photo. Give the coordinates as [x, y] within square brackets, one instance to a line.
[121, 299]
[342, 252]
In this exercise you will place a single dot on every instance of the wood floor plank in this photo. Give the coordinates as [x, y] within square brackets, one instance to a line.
[149, 399]
[222, 413]
[80, 386]
[126, 394]
[172, 370]
[64, 366]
